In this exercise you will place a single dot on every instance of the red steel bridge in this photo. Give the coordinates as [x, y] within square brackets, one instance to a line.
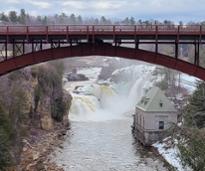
[21, 46]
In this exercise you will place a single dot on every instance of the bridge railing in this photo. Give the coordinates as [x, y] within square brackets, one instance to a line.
[3, 29]
[57, 28]
[17, 29]
[36, 29]
[191, 28]
[78, 28]
[146, 28]
[102, 28]
[168, 28]
[203, 28]
[85, 29]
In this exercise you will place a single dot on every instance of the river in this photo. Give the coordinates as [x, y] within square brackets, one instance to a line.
[104, 146]
[100, 138]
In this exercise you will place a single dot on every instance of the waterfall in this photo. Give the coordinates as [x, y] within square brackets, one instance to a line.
[138, 89]
[94, 104]
[98, 102]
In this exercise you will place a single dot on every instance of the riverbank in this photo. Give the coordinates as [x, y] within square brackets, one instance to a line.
[169, 152]
[37, 148]
[167, 163]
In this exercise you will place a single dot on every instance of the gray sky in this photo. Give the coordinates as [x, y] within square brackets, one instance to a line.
[176, 10]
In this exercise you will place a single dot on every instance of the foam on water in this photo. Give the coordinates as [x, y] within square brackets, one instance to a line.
[101, 102]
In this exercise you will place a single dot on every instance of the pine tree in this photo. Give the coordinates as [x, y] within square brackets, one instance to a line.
[191, 146]
[194, 112]
[132, 21]
[72, 19]
[103, 20]
[13, 16]
[4, 17]
[22, 17]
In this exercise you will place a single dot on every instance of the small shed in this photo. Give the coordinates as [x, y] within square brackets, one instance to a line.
[154, 114]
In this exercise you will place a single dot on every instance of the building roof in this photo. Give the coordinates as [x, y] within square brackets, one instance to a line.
[155, 101]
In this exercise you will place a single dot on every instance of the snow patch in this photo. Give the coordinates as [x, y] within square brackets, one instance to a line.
[171, 154]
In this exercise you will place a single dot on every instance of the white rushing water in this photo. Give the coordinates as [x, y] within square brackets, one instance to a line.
[93, 101]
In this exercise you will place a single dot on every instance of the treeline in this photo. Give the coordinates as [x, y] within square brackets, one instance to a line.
[191, 135]
[24, 18]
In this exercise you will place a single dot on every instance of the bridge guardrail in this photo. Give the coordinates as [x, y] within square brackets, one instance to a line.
[65, 29]
[3, 29]
[193, 28]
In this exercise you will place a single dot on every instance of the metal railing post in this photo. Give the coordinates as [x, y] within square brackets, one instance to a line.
[156, 39]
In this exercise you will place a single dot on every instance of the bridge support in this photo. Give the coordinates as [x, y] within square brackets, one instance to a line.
[136, 43]
[156, 41]
[18, 48]
[196, 52]
[177, 48]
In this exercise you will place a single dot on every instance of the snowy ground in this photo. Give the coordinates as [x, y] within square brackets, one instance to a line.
[170, 154]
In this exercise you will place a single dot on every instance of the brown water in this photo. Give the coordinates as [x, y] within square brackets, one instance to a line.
[104, 146]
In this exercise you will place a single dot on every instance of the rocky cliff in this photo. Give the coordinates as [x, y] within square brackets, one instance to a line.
[32, 98]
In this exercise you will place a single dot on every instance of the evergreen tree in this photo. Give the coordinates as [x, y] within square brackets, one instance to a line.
[62, 18]
[103, 20]
[72, 19]
[4, 17]
[194, 112]
[191, 146]
[96, 21]
[22, 17]
[5, 139]
[79, 20]
[39, 20]
[126, 21]
[13, 16]
[45, 20]
[132, 21]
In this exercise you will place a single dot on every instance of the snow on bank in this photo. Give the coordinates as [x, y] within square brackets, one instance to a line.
[170, 154]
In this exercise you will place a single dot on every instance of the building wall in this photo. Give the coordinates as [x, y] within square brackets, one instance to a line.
[146, 125]
[150, 121]
[148, 138]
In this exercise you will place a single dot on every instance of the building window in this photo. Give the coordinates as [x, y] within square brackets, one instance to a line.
[143, 122]
[160, 104]
[161, 124]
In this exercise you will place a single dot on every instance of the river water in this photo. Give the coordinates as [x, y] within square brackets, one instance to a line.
[104, 146]
[100, 138]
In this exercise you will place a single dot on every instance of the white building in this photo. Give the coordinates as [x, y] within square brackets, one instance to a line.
[154, 114]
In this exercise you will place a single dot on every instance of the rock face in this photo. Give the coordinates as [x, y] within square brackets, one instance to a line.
[74, 76]
[67, 98]
[44, 110]
[51, 102]
[46, 122]
[30, 98]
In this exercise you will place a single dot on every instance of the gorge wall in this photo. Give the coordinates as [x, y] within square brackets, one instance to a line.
[31, 98]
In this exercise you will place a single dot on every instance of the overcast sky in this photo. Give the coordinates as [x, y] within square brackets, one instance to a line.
[176, 10]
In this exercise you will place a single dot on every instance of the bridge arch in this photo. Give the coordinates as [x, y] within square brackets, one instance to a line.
[103, 49]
